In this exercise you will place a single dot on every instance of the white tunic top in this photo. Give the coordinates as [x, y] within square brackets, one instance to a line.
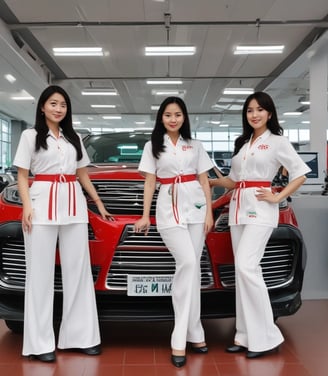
[59, 158]
[184, 158]
[260, 162]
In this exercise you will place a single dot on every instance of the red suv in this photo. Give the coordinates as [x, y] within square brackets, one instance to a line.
[132, 272]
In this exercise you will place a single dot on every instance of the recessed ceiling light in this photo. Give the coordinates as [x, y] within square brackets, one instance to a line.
[170, 50]
[154, 107]
[10, 78]
[305, 100]
[238, 91]
[99, 92]
[23, 95]
[167, 92]
[258, 49]
[112, 117]
[292, 113]
[22, 98]
[230, 100]
[103, 105]
[78, 51]
[140, 122]
[166, 82]
[235, 107]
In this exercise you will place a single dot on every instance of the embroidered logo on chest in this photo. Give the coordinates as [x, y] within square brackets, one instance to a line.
[186, 147]
[263, 147]
[251, 214]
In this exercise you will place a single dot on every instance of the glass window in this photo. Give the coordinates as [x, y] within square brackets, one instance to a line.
[5, 143]
[304, 135]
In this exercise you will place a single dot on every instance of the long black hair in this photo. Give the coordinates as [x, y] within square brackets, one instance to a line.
[66, 124]
[265, 101]
[157, 136]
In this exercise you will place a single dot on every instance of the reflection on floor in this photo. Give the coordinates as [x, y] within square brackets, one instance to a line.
[142, 349]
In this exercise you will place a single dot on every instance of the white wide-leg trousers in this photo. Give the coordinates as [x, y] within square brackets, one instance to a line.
[255, 327]
[79, 326]
[186, 245]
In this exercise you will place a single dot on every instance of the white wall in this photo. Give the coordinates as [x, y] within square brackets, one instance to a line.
[312, 216]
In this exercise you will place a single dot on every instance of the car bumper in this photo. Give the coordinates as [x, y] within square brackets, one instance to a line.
[123, 308]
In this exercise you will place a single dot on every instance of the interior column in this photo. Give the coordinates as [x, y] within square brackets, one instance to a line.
[318, 107]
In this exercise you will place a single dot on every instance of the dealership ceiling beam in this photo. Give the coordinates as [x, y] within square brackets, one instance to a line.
[320, 23]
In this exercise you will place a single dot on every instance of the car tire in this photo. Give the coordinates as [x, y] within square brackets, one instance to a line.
[15, 326]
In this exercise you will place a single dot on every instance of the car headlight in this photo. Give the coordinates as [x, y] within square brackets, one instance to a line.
[10, 194]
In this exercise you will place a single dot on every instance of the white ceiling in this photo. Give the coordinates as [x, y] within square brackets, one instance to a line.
[30, 29]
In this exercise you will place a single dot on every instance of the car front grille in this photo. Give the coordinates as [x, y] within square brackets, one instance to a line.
[138, 254]
[278, 265]
[12, 263]
[123, 197]
[13, 267]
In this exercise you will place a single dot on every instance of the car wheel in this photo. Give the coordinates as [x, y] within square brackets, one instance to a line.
[15, 326]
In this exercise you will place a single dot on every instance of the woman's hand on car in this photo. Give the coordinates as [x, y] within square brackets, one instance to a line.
[142, 225]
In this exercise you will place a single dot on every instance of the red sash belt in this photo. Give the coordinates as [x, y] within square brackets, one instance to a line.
[177, 180]
[59, 179]
[247, 184]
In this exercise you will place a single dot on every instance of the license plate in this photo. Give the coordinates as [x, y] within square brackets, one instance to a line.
[149, 285]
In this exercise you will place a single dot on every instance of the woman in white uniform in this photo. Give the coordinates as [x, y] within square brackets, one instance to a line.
[253, 213]
[183, 215]
[55, 208]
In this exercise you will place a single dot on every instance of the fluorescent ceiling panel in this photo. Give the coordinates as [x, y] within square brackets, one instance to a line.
[259, 49]
[238, 91]
[78, 51]
[164, 82]
[99, 92]
[170, 50]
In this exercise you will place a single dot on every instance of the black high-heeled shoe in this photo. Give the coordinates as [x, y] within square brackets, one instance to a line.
[93, 350]
[257, 354]
[200, 349]
[236, 349]
[178, 360]
[46, 357]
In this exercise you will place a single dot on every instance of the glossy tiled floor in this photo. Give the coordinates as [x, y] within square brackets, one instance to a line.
[142, 349]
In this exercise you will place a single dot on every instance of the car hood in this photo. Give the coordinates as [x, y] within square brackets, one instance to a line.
[114, 171]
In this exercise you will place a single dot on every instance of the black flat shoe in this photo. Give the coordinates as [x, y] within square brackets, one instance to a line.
[199, 350]
[258, 354]
[94, 350]
[46, 357]
[178, 360]
[236, 349]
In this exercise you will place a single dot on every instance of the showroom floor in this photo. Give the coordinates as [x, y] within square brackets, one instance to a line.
[142, 349]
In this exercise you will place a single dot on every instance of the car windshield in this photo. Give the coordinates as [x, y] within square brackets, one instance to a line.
[125, 147]
[115, 147]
